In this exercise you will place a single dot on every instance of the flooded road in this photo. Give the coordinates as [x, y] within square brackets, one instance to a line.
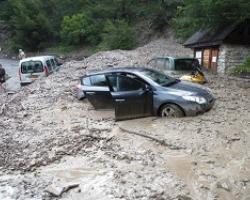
[11, 67]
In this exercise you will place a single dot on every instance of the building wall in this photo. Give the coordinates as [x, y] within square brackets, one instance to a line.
[230, 56]
[208, 57]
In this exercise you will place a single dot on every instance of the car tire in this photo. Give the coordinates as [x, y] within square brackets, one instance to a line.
[80, 96]
[171, 111]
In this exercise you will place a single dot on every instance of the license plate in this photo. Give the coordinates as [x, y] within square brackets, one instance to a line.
[33, 77]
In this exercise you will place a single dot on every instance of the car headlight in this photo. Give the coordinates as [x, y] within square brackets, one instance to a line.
[209, 91]
[197, 99]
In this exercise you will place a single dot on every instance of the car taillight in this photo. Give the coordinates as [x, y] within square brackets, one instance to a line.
[46, 70]
[76, 87]
[19, 74]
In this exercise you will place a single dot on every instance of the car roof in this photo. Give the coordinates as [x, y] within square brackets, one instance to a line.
[36, 58]
[133, 70]
[120, 69]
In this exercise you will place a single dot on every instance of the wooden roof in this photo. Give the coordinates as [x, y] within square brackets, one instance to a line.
[238, 33]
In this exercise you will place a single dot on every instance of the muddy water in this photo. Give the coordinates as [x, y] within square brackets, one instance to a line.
[210, 168]
[79, 170]
[211, 160]
[11, 67]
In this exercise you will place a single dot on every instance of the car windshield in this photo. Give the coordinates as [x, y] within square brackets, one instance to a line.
[160, 78]
[186, 64]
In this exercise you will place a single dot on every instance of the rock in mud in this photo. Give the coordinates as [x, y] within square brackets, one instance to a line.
[224, 186]
[57, 190]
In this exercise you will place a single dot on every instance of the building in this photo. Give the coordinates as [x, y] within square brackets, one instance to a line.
[222, 49]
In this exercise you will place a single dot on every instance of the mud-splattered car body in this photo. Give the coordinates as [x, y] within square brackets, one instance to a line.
[140, 92]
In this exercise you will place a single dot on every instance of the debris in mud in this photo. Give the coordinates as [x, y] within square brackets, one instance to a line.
[224, 186]
[57, 190]
[46, 133]
[160, 141]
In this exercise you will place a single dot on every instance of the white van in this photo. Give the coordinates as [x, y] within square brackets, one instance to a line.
[32, 68]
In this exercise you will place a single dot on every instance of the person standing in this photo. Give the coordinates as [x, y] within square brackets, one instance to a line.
[21, 54]
[2, 76]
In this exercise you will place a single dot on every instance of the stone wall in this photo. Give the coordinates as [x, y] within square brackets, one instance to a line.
[230, 56]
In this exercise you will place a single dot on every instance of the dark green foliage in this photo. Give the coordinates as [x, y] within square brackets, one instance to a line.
[36, 24]
[193, 15]
[244, 68]
[30, 26]
[78, 29]
[118, 35]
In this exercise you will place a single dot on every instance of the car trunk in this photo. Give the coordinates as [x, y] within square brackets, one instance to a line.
[31, 70]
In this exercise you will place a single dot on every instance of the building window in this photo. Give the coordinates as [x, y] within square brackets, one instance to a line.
[198, 55]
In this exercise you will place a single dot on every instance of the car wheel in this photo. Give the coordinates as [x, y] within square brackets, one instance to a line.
[81, 95]
[81, 98]
[171, 110]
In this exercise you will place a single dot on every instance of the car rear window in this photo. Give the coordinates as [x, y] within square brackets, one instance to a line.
[86, 81]
[31, 67]
[96, 80]
[186, 64]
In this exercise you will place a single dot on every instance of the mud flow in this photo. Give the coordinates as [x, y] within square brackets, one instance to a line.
[56, 147]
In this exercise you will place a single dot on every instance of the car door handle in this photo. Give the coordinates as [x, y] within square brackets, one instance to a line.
[90, 93]
[120, 100]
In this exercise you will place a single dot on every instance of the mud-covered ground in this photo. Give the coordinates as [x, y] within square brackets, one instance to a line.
[56, 147]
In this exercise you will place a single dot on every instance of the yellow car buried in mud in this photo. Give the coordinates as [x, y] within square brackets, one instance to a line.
[187, 69]
[195, 77]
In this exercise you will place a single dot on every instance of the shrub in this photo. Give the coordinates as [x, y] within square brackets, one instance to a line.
[30, 26]
[78, 29]
[117, 35]
[244, 68]
[61, 49]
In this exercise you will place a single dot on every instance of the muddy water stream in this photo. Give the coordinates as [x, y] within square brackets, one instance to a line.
[11, 67]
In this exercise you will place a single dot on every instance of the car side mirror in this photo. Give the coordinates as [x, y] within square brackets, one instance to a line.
[147, 88]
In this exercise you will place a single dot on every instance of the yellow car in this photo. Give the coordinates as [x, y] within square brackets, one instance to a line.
[187, 69]
[196, 77]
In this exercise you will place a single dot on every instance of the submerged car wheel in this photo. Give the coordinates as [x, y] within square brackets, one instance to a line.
[171, 110]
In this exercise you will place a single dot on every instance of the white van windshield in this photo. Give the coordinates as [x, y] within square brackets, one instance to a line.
[31, 67]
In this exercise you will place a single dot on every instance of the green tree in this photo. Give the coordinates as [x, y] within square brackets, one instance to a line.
[193, 15]
[118, 35]
[36, 24]
[79, 29]
[31, 28]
